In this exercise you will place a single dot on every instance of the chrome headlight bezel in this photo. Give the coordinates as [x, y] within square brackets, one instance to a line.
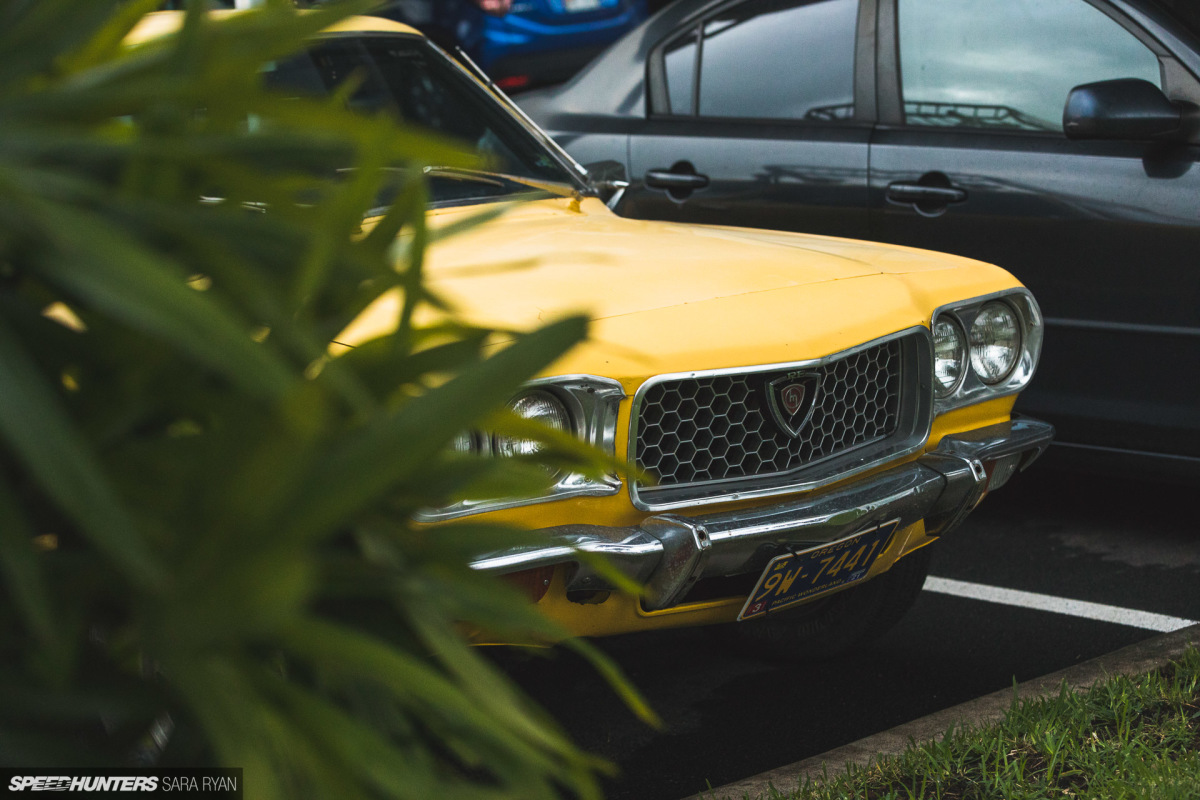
[972, 388]
[961, 358]
[592, 404]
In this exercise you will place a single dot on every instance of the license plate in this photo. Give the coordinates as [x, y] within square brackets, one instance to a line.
[577, 6]
[795, 577]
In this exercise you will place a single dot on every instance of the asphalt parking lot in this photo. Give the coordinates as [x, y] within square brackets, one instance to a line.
[1057, 569]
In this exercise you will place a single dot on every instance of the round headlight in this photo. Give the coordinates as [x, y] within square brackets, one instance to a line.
[949, 355]
[465, 443]
[995, 342]
[541, 407]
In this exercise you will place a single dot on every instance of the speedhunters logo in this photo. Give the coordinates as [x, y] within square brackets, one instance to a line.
[226, 783]
[95, 783]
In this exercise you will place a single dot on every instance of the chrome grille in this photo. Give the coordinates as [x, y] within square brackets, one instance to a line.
[719, 427]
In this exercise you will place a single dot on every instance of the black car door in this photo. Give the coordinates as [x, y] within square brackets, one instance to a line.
[760, 115]
[970, 157]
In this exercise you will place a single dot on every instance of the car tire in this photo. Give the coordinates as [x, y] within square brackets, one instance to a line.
[839, 623]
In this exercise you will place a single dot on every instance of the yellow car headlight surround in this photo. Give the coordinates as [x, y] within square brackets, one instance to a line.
[1003, 341]
[584, 405]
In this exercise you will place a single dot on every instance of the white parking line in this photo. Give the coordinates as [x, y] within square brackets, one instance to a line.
[1058, 605]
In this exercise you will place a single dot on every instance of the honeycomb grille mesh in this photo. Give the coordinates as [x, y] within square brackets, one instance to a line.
[716, 428]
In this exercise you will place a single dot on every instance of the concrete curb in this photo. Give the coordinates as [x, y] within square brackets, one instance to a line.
[1132, 660]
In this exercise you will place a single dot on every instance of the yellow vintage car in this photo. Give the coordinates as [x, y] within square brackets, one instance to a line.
[808, 413]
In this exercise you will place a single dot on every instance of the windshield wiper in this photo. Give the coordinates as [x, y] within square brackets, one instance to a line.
[500, 179]
[494, 186]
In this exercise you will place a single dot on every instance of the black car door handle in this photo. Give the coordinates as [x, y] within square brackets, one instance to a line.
[665, 179]
[918, 193]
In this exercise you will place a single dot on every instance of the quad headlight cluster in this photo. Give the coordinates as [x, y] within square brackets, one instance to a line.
[539, 405]
[582, 405]
[985, 347]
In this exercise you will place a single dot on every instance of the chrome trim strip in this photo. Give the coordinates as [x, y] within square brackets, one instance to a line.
[972, 389]
[1121, 327]
[777, 367]
[669, 553]
[591, 399]
[1123, 453]
[915, 385]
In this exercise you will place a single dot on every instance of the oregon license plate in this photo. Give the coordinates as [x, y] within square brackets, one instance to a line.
[795, 577]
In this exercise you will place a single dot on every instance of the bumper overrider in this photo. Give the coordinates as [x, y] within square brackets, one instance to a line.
[668, 553]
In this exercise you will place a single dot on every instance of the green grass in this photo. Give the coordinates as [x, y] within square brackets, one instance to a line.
[1123, 738]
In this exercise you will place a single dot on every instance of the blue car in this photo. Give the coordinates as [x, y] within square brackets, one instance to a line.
[522, 43]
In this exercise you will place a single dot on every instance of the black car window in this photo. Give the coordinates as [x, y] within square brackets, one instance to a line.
[1184, 11]
[679, 63]
[768, 59]
[1008, 63]
[402, 76]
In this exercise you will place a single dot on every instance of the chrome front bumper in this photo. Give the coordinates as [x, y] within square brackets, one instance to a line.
[668, 553]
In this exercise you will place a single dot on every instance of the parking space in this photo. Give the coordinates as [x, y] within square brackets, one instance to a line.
[1056, 570]
[1114, 541]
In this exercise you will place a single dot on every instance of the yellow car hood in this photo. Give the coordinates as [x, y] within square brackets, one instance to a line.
[545, 257]
[667, 297]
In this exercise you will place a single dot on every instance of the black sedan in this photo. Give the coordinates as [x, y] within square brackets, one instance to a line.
[940, 124]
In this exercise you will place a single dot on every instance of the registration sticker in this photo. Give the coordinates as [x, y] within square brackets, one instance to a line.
[795, 577]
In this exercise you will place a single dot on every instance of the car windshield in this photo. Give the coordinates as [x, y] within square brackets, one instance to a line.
[403, 76]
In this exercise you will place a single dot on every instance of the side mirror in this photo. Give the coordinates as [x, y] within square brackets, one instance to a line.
[1127, 108]
[608, 180]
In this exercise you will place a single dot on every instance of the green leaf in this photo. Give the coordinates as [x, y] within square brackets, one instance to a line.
[577, 453]
[19, 563]
[106, 43]
[41, 434]
[440, 702]
[133, 286]
[363, 751]
[489, 690]
[33, 37]
[232, 502]
[376, 364]
[616, 678]
[371, 463]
